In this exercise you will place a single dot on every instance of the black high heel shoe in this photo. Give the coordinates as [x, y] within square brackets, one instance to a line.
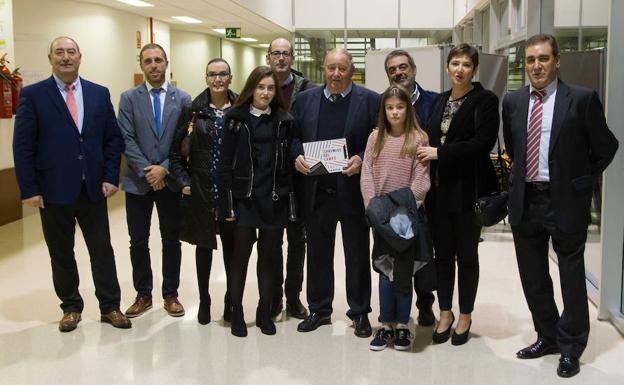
[264, 321]
[460, 339]
[442, 337]
[237, 324]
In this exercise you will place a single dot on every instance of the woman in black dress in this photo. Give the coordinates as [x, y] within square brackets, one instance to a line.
[462, 129]
[257, 183]
[194, 156]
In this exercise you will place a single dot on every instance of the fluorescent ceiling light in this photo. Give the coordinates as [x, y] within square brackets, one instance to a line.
[136, 3]
[219, 30]
[187, 19]
[264, 45]
[250, 39]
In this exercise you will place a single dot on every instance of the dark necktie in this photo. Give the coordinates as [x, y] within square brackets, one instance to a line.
[335, 97]
[533, 136]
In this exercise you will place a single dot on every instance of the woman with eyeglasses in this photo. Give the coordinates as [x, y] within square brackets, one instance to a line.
[462, 129]
[194, 155]
[256, 175]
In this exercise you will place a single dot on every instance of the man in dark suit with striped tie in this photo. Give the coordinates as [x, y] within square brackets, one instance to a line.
[558, 139]
[67, 150]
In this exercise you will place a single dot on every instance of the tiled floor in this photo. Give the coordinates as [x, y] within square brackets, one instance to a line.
[163, 350]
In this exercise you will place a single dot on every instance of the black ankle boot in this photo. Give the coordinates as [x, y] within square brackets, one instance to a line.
[237, 324]
[203, 315]
[264, 321]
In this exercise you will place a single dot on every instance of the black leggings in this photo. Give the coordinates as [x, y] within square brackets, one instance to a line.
[203, 261]
[244, 238]
[456, 239]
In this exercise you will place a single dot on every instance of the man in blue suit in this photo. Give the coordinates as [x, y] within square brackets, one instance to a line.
[67, 149]
[401, 70]
[148, 115]
[339, 109]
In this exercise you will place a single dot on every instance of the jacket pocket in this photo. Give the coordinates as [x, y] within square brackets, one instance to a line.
[583, 182]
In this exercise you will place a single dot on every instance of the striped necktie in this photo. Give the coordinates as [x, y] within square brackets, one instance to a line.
[533, 136]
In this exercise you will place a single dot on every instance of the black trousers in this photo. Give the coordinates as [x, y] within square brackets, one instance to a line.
[424, 298]
[203, 261]
[570, 330]
[295, 258]
[139, 217]
[59, 226]
[456, 242]
[321, 239]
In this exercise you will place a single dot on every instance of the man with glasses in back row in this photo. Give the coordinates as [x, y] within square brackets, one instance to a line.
[280, 58]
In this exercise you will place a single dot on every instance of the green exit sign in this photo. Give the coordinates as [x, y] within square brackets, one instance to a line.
[233, 33]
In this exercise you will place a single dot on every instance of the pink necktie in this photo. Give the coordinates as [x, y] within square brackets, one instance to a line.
[71, 103]
[533, 136]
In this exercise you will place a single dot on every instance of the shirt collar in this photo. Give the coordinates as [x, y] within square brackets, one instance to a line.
[343, 93]
[164, 86]
[549, 89]
[288, 80]
[258, 112]
[415, 94]
[61, 84]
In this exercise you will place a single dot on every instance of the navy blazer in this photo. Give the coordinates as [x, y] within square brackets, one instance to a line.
[581, 147]
[422, 107]
[52, 156]
[361, 119]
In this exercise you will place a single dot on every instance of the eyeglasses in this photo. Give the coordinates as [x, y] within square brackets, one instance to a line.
[276, 54]
[214, 75]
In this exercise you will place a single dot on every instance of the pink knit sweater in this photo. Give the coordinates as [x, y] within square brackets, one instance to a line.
[390, 172]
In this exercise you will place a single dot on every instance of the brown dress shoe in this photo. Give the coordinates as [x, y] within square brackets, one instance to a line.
[117, 319]
[174, 307]
[69, 321]
[141, 305]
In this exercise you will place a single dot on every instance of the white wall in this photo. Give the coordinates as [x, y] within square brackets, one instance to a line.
[190, 52]
[243, 59]
[370, 14]
[595, 13]
[277, 11]
[427, 14]
[319, 14]
[6, 125]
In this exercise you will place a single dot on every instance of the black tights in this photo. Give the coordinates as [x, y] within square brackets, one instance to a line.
[244, 238]
[203, 262]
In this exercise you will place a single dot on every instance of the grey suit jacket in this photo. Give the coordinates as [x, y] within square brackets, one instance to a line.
[142, 146]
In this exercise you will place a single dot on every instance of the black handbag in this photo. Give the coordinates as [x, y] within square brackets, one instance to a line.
[491, 209]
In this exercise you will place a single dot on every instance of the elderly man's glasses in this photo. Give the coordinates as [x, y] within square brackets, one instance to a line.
[276, 54]
[214, 75]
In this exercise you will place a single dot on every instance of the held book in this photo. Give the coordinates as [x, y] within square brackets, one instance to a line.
[326, 156]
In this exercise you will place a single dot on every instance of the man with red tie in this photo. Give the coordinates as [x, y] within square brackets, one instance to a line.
[67, 150]
[558, 139]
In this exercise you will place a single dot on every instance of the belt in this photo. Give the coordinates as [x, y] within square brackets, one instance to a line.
[538, 186]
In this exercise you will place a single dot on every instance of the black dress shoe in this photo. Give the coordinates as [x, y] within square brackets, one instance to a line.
[539, 348]
[264, 321]
[460, 339]
[442, 337]
[362, 326]
[312, 322]
[296, 309]
[426, 317]
[203, 314]
[568, 366]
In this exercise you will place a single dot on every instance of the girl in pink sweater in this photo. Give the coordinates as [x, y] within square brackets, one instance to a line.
[390, 163]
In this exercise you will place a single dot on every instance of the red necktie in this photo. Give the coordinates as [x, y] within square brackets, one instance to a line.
[533, 136]
[71, 103]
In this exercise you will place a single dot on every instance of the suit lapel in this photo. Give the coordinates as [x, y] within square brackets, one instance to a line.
[88, 108]
[145, 104]
[58, 101]
[523, 122]
[354, 106]
[562, 103]
[168, 108]
[315, 107]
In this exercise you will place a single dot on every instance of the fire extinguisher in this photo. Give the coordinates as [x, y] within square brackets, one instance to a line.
[18, 83]
[6, 93]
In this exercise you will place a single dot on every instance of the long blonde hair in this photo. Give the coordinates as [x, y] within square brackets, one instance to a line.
[411, 128]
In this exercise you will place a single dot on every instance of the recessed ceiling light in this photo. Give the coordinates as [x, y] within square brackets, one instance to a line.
[136, 3]
[250, 39]
[187, 19]
[219, 30]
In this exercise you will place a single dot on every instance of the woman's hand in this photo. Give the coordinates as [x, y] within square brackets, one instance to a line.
[425, 153]
[186, 190]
